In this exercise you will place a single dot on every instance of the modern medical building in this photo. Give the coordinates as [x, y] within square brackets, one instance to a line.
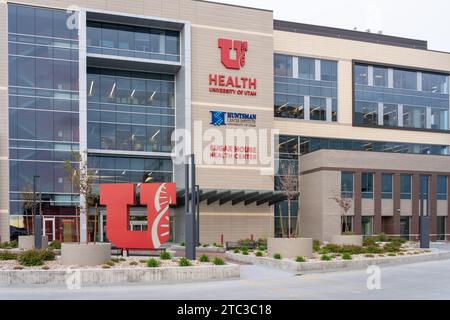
[135, 86]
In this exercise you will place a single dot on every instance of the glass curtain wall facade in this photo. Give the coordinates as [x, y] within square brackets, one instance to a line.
[43, 116]
[399, 98]
[305, 88]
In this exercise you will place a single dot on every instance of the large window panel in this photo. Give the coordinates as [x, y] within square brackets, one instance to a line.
[307, 67]
[386, 186]
[367, 185]
[404, 79]
[442, 185]
[439, 119]
[328, 70]
[390, 115]
[414, 117]
[380, 77]
[361, 75]
[318, 109]
[366, 113]
[406, 186]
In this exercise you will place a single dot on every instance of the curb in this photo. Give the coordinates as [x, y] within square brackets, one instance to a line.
[331, 266]
[115, 276]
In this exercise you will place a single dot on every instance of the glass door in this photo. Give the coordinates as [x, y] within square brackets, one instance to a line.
[49, 228]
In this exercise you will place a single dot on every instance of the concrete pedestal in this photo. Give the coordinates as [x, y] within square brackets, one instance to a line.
[85, 255]
[290, 248]
[347, 240]
[27, 242]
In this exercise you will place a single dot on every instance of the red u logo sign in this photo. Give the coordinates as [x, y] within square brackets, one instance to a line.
[119, 197]
[239, 46]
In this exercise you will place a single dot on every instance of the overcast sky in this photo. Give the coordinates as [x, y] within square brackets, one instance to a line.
[424, 20]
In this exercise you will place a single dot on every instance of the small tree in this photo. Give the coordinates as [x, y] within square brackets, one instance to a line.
[288, 184]
[29, 200]
[81, 179]
[345, 204]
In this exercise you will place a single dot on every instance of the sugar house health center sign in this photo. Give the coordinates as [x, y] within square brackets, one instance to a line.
[228, 84]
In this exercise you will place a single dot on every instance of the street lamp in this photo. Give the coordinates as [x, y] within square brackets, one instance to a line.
[37, 217]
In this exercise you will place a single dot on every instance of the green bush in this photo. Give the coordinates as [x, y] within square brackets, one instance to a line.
[183, 262]
[262, 248]
[392, 254]
[204, 258]
[115, 260]
[382, 237]
[258, 254]
[9, 245]
[347, 256]
[182, 244]
[331, 248]
[153, 263]
[369, 255]
[369, 241]
[6, 255]
[48, 255]
[245, 252]
[300, 259]
[165, 255]
[316, 245]
[237, 251]
[325, 258]
[31, 258]
[392, 247]
[110, 263]
[133, 263]
[218, 262]
[277, 256]
[106, 266]
[206, 245]
[55, 245]
[374, 249]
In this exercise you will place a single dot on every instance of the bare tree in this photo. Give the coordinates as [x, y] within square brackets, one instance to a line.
[81, 179]
[345, 204]
[288, 184]
[29, 199]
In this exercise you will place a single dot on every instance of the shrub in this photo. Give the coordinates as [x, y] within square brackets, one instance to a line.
[115, 260]
[133, 263]
[331, 248]
[346, 256]
[392, 254]
[244, 248]
[369, 256]
[325, 258]
[277, 256]
[165, 255]
[392, 247]
[182, 244]
[374, 249]
[300, 259]
[316, 245]
[110, 263]
[205, 245]
[143, 261]
[369, 242]
[106, 266]
[55, 245]
[48, 255]
[183, 262]
[382, 237]
[45, 268]
[31, 258]
[204, 258]
[6, 255]
[262, 248]
[153, 263]
[245, 252]
[122, 259]
[9, 245]
[18, 268]
[258, 254]
[218, 262]
[237, 251]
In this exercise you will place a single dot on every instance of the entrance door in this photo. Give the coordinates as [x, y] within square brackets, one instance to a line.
[49, 228]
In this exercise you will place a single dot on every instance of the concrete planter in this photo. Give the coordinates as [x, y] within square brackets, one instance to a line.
[27, 242]
[211, 252]
[347, 240]
[114, 276]
[290, 248]
[85, 255]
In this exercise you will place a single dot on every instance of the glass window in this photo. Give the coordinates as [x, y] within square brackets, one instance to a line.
[405, 186]
[347, 184]
[334, 110]
[390, 115]
[405, 227]
[414, 117]
[435, 83]
[318, 109]
[440, 119]
[361, 75]
[367, 185]
[441, 228]
[142, 40]
[157, 44]
[380, 77]
[44, 22]
[283, 66]
[25, 16]
[404, 79]
[94, 34]
[366, 113]
[306, 68]
[366, 226]
[172, 42]
[126, 38]
[386, 186]
[328, 70]
[442, 187]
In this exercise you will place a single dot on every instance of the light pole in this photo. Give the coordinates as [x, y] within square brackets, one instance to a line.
[37, 217]
[424, 222]
[190, 208]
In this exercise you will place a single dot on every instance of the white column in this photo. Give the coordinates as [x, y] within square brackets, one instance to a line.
[307, 108]
[82, 67]
[400, 115]
[380, 114]
[295, 67]
[318, 70]
[390, 78]
[370, 76]
[419, 81]
[329, 107]
[428, 118]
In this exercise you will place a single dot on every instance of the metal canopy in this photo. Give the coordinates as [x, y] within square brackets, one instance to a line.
[236, 197]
